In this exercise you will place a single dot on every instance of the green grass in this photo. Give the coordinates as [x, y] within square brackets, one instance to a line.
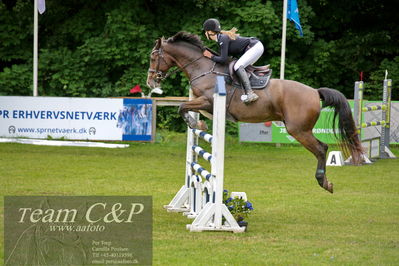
[294, 222]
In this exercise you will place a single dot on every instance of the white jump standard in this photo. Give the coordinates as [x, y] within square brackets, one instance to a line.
[203, 201]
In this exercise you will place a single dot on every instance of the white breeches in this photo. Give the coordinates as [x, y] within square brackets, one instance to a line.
[250, 56]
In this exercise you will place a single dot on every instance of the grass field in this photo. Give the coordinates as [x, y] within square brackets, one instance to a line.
[295, 222]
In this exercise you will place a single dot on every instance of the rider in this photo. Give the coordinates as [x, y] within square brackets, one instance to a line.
[249, 50]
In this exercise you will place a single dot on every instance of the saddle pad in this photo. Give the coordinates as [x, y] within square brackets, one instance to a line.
[260, 82]
[257, 82]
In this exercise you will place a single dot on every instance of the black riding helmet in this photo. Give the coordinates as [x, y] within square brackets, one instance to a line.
[212, 24]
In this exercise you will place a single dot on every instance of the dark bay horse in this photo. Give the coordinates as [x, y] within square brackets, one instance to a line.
[294, 103]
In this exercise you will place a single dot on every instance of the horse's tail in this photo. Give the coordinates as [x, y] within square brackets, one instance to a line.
[348, 138]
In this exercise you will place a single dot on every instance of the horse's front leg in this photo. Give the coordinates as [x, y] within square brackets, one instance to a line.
[195, 105]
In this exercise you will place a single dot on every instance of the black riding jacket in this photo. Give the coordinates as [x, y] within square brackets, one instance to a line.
[231, 47]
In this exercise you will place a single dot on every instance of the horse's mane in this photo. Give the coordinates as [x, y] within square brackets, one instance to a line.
[187, 37]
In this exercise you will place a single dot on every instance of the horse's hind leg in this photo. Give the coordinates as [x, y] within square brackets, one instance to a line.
[319, 149]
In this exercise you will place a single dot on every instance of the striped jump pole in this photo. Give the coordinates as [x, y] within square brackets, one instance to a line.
[198, 168]
[203, 153]
[374, 108]
[202, 134]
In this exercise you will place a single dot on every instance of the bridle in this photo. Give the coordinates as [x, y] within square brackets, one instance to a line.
[161, 75]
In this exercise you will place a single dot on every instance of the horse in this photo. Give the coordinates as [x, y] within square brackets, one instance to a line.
[294, 103]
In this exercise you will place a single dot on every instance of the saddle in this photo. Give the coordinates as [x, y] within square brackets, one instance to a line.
[259, 76]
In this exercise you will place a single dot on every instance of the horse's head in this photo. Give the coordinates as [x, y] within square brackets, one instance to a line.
[182, 50]
[160, 63]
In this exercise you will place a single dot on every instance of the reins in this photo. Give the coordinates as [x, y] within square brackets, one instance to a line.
[211, 71]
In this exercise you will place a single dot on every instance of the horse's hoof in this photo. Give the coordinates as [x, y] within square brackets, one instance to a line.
[202, 125]
[330, 187]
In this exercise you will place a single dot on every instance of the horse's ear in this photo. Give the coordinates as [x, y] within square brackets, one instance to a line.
[158, 43]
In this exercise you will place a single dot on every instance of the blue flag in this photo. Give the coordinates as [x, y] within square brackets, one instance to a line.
[293, 15]
[41, 6]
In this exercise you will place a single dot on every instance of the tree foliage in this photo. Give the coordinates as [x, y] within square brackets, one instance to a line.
[101, 48]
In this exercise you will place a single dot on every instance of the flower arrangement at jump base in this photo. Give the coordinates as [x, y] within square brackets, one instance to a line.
[239, 207]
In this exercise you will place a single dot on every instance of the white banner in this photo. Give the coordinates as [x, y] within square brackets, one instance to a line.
[75, 118]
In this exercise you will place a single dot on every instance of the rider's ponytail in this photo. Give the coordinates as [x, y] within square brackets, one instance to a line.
[231, 33]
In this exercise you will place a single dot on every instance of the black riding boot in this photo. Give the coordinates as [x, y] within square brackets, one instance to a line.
[251, 96]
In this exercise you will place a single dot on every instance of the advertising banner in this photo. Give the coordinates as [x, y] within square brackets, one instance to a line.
[76, 118]
[275, 132]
